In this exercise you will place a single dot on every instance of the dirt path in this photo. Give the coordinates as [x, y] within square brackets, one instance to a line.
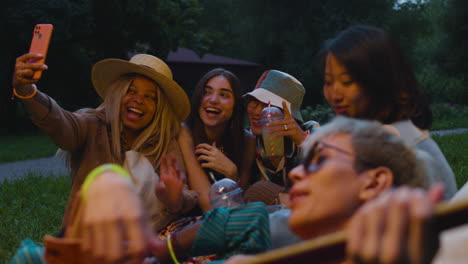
[448, 132]
[52, 166]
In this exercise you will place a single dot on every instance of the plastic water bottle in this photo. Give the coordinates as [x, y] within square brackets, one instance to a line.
[273, 146]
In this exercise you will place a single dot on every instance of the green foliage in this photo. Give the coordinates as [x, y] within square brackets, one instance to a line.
[25, 147]
[321, 113]
[447, 111]
[432, 34]
[458, 122]
[456, 26]
[408, 24]
[426, 41]
[30, 208]
[441, 87]
[448, 116]
[85, 32]
[445, 116]
[286, 35]
[455, 149]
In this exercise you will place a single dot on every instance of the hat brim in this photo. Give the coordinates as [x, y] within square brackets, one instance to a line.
[265, 96]
[105, 72]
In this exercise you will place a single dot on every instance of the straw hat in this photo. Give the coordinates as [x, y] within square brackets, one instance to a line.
[108, 70]
[275, 87]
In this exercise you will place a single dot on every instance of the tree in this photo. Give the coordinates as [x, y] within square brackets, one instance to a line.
[431, 33]
[86, 31]
[452, 56]
[286, 35]
[456, 25]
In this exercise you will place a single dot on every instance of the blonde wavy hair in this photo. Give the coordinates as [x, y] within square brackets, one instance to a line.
[154, 140]
[160, 132]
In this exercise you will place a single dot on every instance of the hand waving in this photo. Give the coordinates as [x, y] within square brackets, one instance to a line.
[170, 185]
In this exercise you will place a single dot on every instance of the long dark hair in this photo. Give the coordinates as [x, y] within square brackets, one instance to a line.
[377, 64]
[233, 137]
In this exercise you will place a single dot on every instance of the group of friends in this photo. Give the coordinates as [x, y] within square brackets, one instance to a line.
[339, 176]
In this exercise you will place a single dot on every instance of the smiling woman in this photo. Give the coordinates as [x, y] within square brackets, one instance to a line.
[223, 148]
[342, 160]
[137, 107]
[366, 75]
[136, 126]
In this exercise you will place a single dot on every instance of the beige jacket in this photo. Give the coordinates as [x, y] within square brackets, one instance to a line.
[86, 137]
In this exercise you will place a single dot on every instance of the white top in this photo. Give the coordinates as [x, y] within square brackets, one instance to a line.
[437, 167]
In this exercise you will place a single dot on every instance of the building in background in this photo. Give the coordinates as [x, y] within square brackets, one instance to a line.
[187, 68]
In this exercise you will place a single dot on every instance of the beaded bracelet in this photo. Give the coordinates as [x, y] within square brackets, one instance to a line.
[97, 171]
[171, 250]
[25, 97]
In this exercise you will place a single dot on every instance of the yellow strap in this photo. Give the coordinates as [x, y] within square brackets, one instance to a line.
[98, 171]
[171, 250]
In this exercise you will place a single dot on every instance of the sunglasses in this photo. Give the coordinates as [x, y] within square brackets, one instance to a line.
[315, 159]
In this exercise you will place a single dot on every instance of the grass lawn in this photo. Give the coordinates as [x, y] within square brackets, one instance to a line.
[455, 149]
[33, 207]
[16, 148]
[448, 116]
[30, 208]
[460, 122]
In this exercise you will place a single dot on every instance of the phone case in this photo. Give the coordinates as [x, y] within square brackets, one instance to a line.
[40, 43]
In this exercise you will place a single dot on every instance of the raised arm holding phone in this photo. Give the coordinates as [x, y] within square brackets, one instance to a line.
[29, 67]
[136, 125]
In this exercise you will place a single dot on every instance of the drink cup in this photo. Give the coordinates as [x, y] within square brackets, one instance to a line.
[273, 146]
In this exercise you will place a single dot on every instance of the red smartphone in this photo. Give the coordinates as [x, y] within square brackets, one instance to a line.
[40, 43]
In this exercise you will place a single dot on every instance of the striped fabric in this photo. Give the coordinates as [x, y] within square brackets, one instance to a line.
[29, 253]
[229, 231]
[225, 231]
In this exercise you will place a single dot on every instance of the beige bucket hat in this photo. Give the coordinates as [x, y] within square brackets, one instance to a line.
[275, 87]
[108, 70]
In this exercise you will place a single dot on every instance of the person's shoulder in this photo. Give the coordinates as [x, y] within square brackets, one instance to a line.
[185, 134]
[249, 138]
[184, 128]
[184, 125]
[91, 115]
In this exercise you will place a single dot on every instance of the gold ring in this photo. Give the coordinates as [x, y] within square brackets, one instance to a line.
[285, 128]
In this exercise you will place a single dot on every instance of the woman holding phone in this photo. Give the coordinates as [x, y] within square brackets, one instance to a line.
[137, 124]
